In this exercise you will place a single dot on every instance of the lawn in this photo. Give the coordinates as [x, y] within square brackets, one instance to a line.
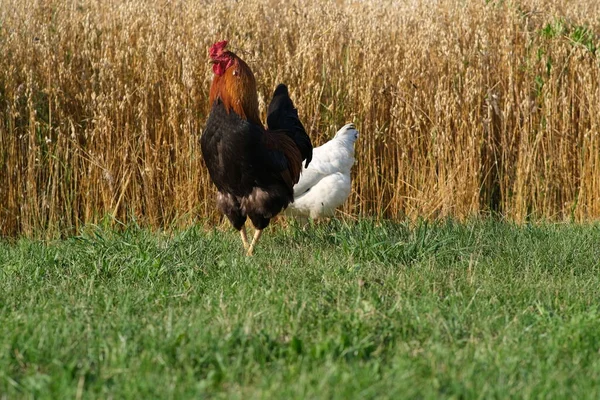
[483, 309]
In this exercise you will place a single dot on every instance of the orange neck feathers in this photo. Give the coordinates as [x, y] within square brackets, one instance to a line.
[237, 90]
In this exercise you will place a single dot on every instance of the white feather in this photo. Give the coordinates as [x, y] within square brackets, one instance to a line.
[325, 184]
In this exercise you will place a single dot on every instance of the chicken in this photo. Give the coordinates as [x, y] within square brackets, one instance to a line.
[253, 169]
[325, 184]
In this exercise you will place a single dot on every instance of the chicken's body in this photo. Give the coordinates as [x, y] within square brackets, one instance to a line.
[253, 169]
[325, 184]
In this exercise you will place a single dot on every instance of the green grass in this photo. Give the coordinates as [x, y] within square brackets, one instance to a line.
[484, 309]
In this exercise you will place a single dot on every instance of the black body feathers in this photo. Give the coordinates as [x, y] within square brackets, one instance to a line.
[254, 170]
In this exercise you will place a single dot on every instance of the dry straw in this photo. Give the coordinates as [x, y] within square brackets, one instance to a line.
[465, 107]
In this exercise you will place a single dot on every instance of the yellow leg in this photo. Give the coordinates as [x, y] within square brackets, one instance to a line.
[254, 241]
[244, 238]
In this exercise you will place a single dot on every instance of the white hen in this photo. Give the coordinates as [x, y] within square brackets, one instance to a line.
[325, 184]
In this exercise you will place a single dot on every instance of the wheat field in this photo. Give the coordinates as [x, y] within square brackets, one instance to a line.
[464, 107]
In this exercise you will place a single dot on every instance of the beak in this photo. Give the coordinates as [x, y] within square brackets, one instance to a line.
[212, 61]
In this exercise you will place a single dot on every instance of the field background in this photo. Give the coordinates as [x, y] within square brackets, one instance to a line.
[465, 107]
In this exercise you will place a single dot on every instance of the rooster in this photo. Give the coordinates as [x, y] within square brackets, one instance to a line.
[254, 169]
[325, 185]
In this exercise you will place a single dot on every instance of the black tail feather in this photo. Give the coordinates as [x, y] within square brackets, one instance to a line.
[282, 115]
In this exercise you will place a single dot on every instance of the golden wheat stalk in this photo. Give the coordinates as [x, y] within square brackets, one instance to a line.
[464, 107]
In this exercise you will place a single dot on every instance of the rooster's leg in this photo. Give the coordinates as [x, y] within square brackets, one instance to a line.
[244, 238]
[254, 241]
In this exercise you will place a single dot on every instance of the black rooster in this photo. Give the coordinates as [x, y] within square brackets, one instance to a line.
[253, 169]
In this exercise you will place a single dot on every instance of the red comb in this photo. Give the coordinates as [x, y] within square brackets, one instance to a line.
[217, 48]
